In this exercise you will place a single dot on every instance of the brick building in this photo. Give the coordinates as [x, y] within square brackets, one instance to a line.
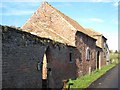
[48, 22]
[102, 48]
[50, 48]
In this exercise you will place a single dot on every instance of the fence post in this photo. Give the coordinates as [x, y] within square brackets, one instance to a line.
[64, 84]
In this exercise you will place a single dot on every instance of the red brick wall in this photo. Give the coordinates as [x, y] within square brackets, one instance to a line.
[62, 68]
[82, 42]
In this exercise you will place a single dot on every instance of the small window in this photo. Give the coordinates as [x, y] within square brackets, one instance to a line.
[70, 60]
[104, 45]
[87, 54]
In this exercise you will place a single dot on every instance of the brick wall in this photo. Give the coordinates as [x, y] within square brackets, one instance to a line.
[82, 42]
[21, 53]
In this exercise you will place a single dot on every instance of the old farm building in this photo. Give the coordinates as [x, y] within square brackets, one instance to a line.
[50, 48]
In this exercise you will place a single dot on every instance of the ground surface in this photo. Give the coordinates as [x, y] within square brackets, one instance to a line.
[109, 80]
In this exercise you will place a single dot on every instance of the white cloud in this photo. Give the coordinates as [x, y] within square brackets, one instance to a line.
[116, 4]
[96, 20]
[20, 8]
[17, 13]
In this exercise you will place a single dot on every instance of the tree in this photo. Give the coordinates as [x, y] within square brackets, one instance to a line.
[116, 51]
[111, 51]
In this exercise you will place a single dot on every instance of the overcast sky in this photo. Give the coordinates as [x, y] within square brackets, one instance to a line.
[96, 14]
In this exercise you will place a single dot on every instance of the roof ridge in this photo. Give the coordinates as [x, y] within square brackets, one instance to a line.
[76, 25]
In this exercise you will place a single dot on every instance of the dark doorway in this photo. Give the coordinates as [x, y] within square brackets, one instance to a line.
[98, 54]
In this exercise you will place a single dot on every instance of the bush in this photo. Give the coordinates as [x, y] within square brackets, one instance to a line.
[115, 57]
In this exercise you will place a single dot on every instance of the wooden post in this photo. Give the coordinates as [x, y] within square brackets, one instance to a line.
[89, 70]
[64, 84]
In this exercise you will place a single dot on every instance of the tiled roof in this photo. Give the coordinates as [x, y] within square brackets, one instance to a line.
[74, 23]
[34, 26]
[95, 34]
[92, 32]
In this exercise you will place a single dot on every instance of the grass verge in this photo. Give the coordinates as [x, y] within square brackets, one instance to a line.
[85, 81]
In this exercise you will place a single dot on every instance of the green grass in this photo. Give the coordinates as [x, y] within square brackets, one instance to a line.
[85, 81]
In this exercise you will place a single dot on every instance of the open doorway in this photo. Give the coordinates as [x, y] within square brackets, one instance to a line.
[44, 72]
[46, 69]
[97, 61]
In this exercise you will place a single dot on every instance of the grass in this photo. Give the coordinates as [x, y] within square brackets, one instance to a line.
[85, 81]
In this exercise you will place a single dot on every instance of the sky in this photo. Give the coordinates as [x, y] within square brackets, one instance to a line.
[100, 15]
